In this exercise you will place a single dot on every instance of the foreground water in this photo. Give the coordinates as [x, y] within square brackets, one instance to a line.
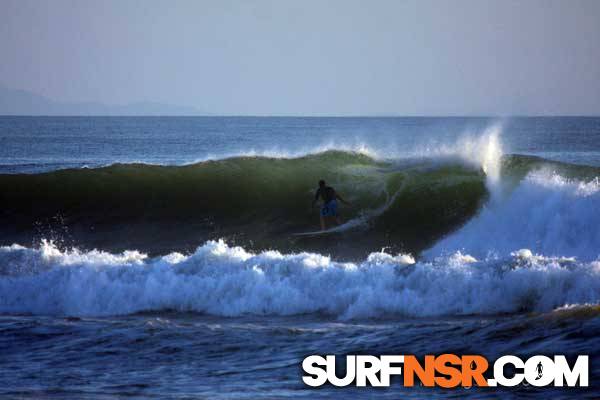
[185, 278]
[179, 355]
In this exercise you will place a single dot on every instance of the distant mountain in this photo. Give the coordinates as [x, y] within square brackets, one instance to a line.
[21, 102]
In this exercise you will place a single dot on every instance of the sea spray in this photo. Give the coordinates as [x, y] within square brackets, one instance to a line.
[545, 212]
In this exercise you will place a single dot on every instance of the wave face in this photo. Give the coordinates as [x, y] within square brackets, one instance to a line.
[258, 202]
[228, 281]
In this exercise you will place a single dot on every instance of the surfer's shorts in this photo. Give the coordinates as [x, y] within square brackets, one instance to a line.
[329, 209]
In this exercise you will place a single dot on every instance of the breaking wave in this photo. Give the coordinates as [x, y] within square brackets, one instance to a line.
[229, 281]
[546, 212]
[256, 201]
[490, 233]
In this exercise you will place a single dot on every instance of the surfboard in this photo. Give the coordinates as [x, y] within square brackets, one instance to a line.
[313, 233]
[339, 228]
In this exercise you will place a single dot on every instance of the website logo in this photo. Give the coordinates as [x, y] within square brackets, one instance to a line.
[446, 371]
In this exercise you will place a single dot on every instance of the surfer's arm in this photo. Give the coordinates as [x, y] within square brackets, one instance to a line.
[341, 199]
[316, 197]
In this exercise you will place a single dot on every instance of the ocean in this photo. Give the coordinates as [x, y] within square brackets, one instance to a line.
[160, 257]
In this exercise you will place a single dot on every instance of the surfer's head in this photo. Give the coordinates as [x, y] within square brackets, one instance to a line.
[321, 183]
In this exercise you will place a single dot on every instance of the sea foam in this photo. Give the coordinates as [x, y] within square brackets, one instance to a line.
[221, 280]
[546, 213]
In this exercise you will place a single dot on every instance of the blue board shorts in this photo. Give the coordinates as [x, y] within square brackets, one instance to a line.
[329, 209]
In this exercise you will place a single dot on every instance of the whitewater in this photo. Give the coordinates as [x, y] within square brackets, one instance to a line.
[228, 281]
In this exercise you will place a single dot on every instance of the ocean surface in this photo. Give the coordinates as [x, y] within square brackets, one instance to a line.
[167, 257]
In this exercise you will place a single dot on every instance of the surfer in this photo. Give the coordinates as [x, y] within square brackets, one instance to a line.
[329, 207]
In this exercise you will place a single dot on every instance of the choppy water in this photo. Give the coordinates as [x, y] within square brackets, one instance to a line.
[198, 286]
[183, 355]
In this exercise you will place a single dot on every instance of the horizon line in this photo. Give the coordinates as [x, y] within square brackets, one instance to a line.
[305, 115]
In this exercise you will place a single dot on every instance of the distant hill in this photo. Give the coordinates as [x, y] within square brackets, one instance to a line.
[21, 102]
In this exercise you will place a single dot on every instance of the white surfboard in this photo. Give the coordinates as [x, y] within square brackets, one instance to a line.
[313, 233]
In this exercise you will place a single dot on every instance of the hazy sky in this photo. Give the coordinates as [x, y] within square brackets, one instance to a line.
[310, 57]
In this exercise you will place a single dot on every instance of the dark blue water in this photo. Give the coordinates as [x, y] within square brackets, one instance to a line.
[194, 356]
[521, 277]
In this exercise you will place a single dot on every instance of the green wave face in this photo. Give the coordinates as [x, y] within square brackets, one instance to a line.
[255, 201]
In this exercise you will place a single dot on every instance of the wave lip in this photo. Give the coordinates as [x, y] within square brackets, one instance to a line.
[229, 281]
